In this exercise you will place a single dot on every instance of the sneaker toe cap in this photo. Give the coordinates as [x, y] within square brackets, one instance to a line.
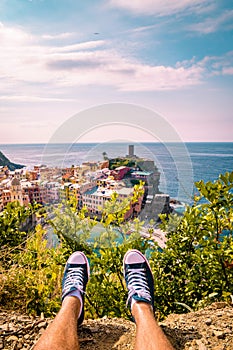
[77, 258]
[134, 257]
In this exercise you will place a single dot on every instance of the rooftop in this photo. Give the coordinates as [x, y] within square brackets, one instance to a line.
[99, 191]
[125, 190]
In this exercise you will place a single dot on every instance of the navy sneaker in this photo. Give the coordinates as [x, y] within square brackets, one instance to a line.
[76, 276]
[138, 277]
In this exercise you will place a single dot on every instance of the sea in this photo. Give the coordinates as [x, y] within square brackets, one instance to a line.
[180, 164]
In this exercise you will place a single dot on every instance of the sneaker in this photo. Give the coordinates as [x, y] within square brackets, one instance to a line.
[75, 278]
[138, 277]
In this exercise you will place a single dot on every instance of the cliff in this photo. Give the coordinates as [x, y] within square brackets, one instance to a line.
[207, 329]
[5, 161]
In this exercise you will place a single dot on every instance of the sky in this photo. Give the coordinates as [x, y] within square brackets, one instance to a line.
[59, 58]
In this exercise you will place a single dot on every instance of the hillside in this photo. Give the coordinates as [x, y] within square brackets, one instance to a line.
[207, 329]
[5, 161]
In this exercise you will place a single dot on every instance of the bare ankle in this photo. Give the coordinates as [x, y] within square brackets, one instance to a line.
[139, 308]
[73, 302]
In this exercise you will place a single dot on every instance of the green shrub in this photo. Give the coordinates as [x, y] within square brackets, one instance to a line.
[13, 220]
[195, 268]
[32, 283]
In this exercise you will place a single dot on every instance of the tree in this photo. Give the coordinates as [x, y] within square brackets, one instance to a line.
[105, 156]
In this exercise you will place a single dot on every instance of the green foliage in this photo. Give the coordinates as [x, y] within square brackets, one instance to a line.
[115, 210]
[117, 162]
[12, 221]
[195, 268]
[33, 281]
[72, 228]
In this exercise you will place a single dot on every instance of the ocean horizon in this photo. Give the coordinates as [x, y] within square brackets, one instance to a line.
[180, 164]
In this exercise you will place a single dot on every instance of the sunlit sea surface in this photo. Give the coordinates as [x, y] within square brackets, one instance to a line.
[180, 165]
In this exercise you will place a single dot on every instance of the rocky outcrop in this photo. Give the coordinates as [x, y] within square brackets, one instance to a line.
[155, 204]
[4, 161]
[207, 329]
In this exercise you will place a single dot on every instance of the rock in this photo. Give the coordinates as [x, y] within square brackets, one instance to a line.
[219, 305]
[12, 338]
[42, 324]
[208, 321]
[94, 329]
[219, 334]
[228, 331]
[123, 339]
[4, 327]
[42, 330]
[19, 345]
[201, 346]
[219, 313]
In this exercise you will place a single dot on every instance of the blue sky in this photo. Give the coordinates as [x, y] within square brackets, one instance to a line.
[60, 57]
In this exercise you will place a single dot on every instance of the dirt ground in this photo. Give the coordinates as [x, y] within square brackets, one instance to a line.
[207, 329]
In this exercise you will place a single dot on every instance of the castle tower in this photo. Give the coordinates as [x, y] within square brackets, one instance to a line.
[131, 150]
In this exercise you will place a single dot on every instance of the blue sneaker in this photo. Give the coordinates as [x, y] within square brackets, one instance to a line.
[138, 277]
[75, 278]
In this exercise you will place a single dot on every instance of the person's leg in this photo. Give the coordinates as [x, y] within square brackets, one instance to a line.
[62, 333]
[148, 333]
[140, 284]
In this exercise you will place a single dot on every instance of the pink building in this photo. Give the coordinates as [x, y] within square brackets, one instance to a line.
[120, 172]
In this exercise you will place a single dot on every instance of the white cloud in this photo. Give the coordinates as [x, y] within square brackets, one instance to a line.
[227, 71]
[28, 98]
[160, 7]
[88, 45]
[211, 25]
[25, 65]
[218, 65]
[13, 35]
[58, 36]
[34, 73]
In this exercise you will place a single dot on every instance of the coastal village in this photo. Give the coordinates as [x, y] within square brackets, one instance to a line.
[91, 184]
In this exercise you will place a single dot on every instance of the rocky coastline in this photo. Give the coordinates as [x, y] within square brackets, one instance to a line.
[4, 161]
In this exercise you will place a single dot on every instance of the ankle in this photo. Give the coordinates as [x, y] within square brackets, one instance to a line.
[75, 300]
[71, 302]
[139, 307]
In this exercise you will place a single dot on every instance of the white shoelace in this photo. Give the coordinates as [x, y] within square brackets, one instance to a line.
[137, 284]
[74, 278]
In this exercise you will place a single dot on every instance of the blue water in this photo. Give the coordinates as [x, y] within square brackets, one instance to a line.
[179, 164]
